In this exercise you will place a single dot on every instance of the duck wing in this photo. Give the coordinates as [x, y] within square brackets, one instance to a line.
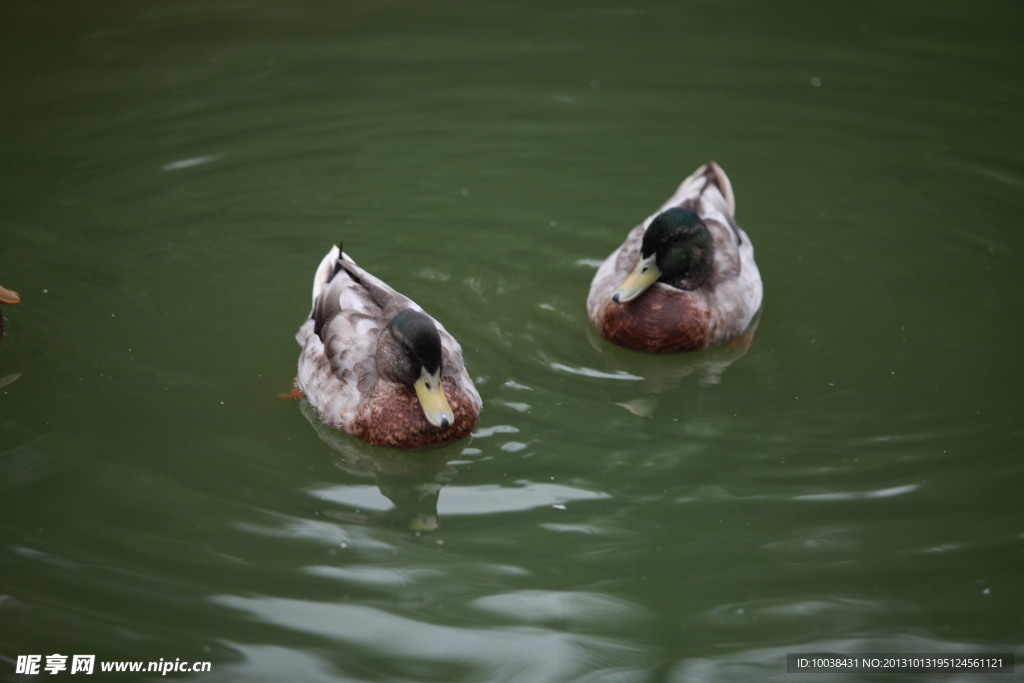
[707, 188]
[350, 308]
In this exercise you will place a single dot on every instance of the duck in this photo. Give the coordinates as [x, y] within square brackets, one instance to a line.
[7, 296]
[374, 364]
[685, 278]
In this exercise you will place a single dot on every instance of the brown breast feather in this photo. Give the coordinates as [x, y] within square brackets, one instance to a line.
[662, 320]
[391, 416]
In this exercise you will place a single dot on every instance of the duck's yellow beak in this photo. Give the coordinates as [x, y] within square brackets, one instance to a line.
[643, 276]
[432, 399]
[8, 296]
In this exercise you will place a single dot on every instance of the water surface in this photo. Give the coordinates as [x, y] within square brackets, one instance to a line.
[173, 173]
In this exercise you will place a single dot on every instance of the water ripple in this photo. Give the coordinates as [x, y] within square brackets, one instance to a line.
[519, 653]
[861, 495]
[578, 611]
[491, 499]
[596, 374]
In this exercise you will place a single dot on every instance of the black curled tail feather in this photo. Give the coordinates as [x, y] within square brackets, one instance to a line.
[341, 257]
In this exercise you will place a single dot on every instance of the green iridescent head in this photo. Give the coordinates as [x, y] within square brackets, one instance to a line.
[677, 249]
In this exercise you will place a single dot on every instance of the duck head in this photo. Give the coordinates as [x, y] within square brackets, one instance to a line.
[410, 353]
[677, 249]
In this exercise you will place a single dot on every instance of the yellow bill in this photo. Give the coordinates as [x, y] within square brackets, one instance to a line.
[8, 296]
[432, 399]
[636, 283]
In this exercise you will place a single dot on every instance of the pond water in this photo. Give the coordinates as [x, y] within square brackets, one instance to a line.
[172, 174]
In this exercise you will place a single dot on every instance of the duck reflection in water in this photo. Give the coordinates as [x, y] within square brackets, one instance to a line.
[411, 480]
[656, 374]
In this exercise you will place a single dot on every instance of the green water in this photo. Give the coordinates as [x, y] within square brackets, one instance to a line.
[172, 174]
